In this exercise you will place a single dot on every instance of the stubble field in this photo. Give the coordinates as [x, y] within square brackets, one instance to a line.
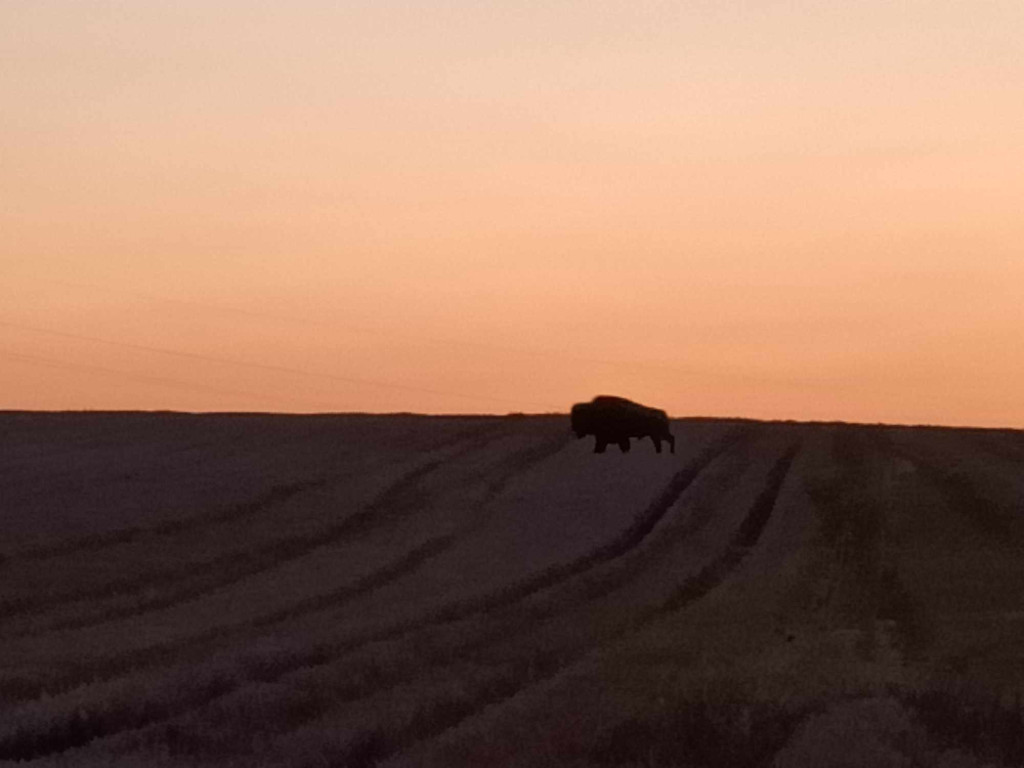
[405, 590]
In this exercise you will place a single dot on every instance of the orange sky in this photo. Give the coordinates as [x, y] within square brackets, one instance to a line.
[774, 210]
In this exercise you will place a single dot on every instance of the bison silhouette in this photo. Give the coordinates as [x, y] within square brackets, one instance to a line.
[615, 420]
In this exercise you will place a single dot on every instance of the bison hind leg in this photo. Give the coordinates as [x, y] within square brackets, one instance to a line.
[600, 443]
[624, 444]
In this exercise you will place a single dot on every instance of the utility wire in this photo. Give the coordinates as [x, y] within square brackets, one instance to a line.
[675, 370]
[368, 331]
[273, 368]
[149, 379]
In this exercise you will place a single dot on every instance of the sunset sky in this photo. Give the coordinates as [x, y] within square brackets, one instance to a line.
[764, 209]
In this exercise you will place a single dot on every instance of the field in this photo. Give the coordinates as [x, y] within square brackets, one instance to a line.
[405, 590]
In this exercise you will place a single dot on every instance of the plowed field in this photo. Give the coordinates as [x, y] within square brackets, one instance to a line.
[405, 590]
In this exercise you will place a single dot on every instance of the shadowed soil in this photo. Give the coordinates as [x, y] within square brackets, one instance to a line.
[403, 590]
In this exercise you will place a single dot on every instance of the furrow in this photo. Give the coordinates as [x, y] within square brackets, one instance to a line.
[626, 541]
[964, 494]
[520, 626]
[276, 496]
[504, 681]
[110, 723]
[398, 568]
[746, 537]
[185, 584]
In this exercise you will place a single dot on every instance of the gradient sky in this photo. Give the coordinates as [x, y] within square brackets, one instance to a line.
[765, 209]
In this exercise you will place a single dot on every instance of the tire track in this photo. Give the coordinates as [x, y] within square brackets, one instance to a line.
[398, 568]
[963, 493]
[227, 514]
[746, 538]
[515, 626]
[626, 570]
[859, 512]
[69, 733]
[838, 499]
[275, 496]
[404, 565]
[626, 541]
[187, 583]
[518, 463]
[186, 524]
[501, 682]
[140, 455]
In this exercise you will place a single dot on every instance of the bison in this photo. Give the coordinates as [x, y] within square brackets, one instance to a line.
[615, 420]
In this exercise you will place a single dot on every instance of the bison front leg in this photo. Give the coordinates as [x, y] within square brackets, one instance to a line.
[600, 443]
[657, 443]
[624, 445]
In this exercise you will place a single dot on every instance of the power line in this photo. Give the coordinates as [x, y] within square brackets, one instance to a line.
[273, 368]
[147, 378]
[676, 370]
[367, 331]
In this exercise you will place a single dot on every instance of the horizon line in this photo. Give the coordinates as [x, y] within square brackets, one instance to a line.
[510, 414]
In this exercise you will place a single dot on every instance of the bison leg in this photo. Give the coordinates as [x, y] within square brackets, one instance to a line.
[600, 444]
[657, 443]
[624, 444]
